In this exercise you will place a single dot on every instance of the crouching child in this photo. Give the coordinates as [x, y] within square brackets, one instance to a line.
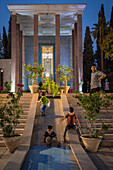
[50, 137]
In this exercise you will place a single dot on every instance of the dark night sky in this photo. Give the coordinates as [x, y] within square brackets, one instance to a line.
[90, 15]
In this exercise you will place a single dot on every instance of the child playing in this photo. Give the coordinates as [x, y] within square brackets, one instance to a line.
[44, 100]
[50, 137]
[70, 121]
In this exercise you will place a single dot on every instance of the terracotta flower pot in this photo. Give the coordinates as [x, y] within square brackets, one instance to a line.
[91, 144]
[12, 142]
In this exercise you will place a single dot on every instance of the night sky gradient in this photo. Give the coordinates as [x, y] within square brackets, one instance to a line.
[90, 15]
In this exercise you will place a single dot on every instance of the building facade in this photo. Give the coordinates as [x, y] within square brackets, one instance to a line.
[48, 35]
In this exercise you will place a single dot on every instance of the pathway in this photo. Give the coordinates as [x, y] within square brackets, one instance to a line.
[43, 157]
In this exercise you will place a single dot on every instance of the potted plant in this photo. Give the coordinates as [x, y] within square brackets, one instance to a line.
[51, 87]
[92, 103]
[65, 74]
[9, 118]
[32, 73]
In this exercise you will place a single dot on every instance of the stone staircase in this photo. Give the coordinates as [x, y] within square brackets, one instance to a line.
[25, 102]
[107, 118]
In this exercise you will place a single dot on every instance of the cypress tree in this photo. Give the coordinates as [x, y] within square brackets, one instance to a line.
[4, 42]
[1, 47]
[111, 20]
[9, 40]
[88, 59]
[99, 33]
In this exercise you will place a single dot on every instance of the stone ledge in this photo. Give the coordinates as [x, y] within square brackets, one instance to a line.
[84, 162]
[18, 157]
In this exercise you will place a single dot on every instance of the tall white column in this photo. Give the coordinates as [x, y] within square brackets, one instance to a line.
[57, 40]
[79, 47]
[13, 52]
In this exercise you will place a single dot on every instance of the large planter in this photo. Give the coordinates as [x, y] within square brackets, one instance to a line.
[48, 90]
[12, 142]
[91, 144]
[33, 88]
[65, 88]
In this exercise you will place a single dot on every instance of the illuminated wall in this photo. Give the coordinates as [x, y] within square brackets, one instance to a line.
[65, 51]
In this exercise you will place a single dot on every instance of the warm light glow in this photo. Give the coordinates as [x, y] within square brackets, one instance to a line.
[47, 74]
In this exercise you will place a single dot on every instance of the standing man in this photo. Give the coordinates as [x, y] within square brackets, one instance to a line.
[96, 77]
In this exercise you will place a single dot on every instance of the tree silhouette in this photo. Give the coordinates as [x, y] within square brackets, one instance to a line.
[4, 42]
[111, 20]
[9, 40]
[99, 32]
[88, 60]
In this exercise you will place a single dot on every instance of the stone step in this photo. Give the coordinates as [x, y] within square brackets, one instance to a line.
[25, 112]
[18, 130]
[85, 131]
[82, 120]
[23, 103]
[2, 144]
[98, 125]
[25, 109]
[22, 120]
[23, 116]
[105, 116]
[25, 106]
[108, 136]
[107, 143]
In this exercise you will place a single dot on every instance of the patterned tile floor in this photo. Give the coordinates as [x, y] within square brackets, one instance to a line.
[49, 158]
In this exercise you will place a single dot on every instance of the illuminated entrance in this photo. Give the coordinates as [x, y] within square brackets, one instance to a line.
[47, 61]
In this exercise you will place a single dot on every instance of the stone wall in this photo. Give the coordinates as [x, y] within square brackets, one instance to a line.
[5, 64]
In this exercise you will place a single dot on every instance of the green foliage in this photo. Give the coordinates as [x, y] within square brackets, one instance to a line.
[10, 112]
[33, 72]
[92, 103]
[26, 91]
[8, 86]
[65, 73]
[43, 87]
[52, 86]
[107, 45]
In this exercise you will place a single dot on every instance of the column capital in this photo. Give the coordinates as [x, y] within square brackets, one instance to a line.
[13, 12]
[35, 13]
[79, 12]
[58, 13]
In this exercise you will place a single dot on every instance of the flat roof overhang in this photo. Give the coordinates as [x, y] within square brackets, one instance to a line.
[46, 17]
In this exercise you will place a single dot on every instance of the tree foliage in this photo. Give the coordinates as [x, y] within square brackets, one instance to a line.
[107, 45]
[99, 32]
[4, 42]
[1, 47]
[9, 40]
[88, 58]
[111, 20]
